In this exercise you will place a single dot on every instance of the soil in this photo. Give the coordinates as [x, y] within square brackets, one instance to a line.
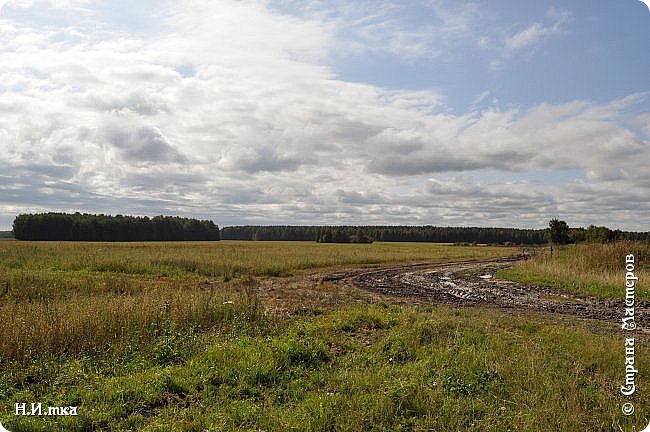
[474, 283]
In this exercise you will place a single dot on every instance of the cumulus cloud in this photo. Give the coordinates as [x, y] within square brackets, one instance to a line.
[140, 143]
[576, 135]
[232, 111]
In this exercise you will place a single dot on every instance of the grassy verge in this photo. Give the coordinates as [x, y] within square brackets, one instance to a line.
[587, 269]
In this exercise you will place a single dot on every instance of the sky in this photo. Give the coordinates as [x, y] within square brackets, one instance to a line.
[451, 113]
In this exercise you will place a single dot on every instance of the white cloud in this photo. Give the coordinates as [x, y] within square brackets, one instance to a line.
[231, 111]
[226, 32]
[527, 40]
[55, 4]
[528, 36]
[643, 121]
[538, 31]
[382, 27]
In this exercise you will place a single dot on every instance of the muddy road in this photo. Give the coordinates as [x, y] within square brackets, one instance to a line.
[475, 284]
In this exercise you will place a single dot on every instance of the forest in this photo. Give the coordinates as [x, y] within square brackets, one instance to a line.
[429, 233]
[366, 234]
[89, 227]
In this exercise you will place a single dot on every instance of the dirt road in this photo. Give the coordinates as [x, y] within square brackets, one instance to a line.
[475, 283]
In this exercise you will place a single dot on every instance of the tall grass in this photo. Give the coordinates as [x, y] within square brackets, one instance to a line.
[589, 269]
[69, 298]
[78, 324]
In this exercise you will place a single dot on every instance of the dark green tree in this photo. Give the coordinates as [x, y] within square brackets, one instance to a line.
[89, 227]
[558, 232]
[599, 234]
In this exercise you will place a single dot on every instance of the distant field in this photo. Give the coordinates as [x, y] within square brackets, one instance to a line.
[176, 336]
[226, 259]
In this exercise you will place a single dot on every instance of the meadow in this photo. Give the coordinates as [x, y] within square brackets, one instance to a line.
[182, 337]
[587, 269]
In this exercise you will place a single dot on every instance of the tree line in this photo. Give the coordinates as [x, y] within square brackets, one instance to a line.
[389, 233]
[559, 232]
[322, 234]
[90, 227]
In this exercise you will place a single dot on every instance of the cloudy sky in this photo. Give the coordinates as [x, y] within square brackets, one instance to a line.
[482, 113]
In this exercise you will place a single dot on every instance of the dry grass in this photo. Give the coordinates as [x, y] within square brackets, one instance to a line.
[594, 269]
[225, 259]
[68, 297]
[105, 321]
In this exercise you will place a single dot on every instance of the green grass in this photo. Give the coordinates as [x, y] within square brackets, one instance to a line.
[587, 269]
[358, 368]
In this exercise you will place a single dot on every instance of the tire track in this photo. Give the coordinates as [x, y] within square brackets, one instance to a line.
[474, 283]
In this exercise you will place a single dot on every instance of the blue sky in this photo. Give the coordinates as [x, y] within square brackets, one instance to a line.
[498, 113]
[571, 50]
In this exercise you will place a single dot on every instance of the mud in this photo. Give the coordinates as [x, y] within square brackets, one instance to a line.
[475, 284]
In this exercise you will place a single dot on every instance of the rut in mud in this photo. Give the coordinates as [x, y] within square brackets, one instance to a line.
[475, 283]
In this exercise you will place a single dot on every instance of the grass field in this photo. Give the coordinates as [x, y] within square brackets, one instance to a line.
[79, 296]
[589, 269]
[176, 337]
